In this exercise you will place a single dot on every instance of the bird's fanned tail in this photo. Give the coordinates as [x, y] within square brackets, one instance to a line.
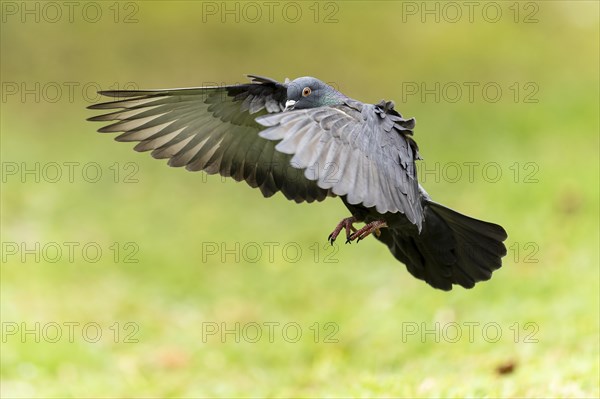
[451, 249]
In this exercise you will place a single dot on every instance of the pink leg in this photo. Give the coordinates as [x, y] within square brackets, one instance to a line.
[365, 231]
[344, 224]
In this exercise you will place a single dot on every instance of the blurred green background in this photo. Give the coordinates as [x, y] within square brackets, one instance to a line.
[184, 254]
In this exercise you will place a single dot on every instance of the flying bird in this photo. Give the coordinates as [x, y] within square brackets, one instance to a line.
[307, 140]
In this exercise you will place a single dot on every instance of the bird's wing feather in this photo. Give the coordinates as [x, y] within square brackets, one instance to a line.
[211, 129]
[360, 151]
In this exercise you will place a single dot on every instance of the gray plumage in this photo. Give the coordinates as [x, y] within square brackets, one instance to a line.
[310, 141]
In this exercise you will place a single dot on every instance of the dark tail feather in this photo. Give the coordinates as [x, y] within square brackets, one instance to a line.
[451, 249]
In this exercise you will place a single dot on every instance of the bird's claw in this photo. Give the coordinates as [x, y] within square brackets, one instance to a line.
[356, 235]
[346, 224]
[367, 230]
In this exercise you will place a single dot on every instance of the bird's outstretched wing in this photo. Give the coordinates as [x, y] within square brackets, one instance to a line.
[360, 151]
[211, 129]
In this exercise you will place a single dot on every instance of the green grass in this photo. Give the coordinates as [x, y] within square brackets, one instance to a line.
[178, 288]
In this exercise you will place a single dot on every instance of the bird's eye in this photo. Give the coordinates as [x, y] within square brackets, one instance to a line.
[306, 92]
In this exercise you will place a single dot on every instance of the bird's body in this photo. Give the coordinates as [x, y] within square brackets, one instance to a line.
[310, 141]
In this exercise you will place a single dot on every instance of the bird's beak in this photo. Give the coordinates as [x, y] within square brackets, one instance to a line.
[289, 105]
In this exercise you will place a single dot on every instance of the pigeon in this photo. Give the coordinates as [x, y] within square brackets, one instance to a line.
[309, 141]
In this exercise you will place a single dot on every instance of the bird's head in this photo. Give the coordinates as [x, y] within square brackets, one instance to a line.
[309, 92]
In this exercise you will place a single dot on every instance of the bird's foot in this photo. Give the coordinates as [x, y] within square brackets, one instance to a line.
[347, 224]
[369, 228]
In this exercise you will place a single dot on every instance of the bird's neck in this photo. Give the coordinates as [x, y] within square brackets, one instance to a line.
[334, 97]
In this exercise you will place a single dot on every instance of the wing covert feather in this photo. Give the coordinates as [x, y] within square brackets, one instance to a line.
[369, 150]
